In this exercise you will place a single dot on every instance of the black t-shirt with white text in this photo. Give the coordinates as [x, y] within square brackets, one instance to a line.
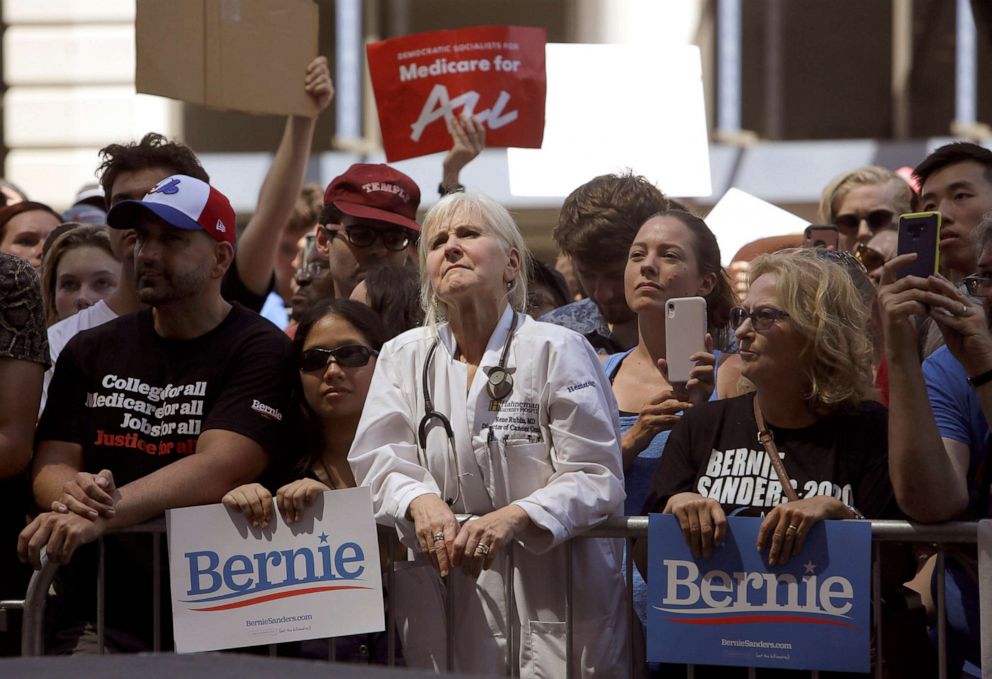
[714, 451]
[137, 402]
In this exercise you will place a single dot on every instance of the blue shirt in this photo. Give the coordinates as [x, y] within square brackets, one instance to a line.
[957, 411]
[637, 477]
[958, 414]
[584, 318]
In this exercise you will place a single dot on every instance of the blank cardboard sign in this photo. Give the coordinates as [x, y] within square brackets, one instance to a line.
[614, 107]
[245, 55]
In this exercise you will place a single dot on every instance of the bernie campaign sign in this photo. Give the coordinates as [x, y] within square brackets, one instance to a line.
[234, 585]
[734, 609]
[495, 73]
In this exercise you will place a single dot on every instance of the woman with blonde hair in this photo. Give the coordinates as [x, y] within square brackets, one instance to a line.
[805, 349]
[78, 270]
[487, 412]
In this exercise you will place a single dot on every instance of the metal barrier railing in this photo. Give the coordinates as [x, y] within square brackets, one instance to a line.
[627, 528]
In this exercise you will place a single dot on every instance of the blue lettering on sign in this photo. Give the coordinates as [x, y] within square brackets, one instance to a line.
[246, 574]
[735, 609]
[169, 188]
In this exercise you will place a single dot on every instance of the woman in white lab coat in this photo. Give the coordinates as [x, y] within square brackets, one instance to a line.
[486, 412]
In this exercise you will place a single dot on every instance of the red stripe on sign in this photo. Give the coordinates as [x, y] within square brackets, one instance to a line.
[734, 619]
[273, 597]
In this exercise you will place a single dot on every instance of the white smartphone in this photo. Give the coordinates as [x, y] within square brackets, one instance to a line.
[685, 335]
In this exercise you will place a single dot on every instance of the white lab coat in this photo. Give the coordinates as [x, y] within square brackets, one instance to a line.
[560, 435]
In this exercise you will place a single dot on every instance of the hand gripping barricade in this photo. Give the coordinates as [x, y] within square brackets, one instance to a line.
[942, 536]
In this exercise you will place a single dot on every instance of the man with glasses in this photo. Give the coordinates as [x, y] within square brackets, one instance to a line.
[864, 202]
[369, 219]
[939, 415]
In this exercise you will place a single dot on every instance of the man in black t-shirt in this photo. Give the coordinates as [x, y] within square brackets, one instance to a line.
[169, 407]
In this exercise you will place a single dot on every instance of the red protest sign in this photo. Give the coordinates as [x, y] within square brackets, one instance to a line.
[495, 73]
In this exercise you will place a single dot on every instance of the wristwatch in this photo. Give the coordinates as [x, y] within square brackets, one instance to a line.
[980, 379]
[443, 190]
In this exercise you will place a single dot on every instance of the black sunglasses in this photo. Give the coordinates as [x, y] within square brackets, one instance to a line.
[348, 356]
[877, 220]
[762, 318]
[365, 236]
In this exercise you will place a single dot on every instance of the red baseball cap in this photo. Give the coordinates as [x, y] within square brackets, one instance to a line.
[376, 192]
[183, 202]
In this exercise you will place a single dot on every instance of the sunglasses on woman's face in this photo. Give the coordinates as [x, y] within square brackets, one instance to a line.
[348, 356]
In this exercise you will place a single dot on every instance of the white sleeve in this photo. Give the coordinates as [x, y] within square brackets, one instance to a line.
[586, 486]
[383, 455]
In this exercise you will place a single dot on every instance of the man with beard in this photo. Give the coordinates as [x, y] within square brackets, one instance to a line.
[939, 415]
[597, 224]
[168, 407]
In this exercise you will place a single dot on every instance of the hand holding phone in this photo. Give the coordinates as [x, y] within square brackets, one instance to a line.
[821, 236]
[919, 232]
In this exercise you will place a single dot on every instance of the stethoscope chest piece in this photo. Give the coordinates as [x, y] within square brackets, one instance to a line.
[500, 382]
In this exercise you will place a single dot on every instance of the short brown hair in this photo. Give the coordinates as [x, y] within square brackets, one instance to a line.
[598, 220]
[153, 150]
[306, 211]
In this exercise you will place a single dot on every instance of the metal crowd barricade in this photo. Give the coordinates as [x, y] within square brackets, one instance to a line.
[626, 528]
[33, 630]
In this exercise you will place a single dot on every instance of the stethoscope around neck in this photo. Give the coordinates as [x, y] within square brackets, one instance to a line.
[498, 386]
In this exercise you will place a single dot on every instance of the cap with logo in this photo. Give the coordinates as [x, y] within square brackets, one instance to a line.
[376, 192]
[183, 202]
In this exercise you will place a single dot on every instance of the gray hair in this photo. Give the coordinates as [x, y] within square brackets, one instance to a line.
[497, 221]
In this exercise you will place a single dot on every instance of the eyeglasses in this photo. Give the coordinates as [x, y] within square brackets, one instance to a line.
[762, 318]
[365, 236]
[870, 258]
[348, 356]
[978, 285]
[309, 273]
[877, 220]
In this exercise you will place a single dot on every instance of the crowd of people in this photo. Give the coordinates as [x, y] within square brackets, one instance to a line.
[154, 356]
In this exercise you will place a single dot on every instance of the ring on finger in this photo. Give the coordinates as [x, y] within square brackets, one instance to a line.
[482, 550]
[439, 536]
[791, 530]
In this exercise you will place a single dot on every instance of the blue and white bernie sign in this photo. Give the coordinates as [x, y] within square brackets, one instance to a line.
[234, 585]
[734, 609]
